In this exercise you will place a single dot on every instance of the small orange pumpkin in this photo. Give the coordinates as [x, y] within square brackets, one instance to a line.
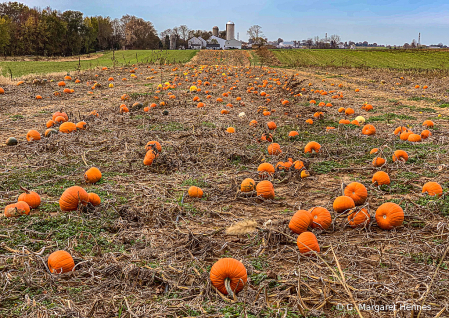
[93, 175]
[307, 243]
[359, 218]
[265, 169]
[67, 127]
[400, 155]
[274, 149]
[60, 262]
[17, 209]
[343, 203]
[30, 197]
[195, 192]
[312, 146]
[33, 135]
[248, 185]
[94, 199]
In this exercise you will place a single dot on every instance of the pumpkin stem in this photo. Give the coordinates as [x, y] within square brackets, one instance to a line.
[228, 287]
[26, 190]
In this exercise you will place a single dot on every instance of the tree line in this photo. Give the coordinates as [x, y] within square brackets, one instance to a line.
[48, 32]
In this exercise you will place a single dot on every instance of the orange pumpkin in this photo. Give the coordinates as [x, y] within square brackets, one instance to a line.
[369, 130]
[312, 146]
[321, 218]
[381, 178]
[378, 162]
[343, 203]
[229, 276]
[300, 221]
[359, 218]
[265, 169]
[72, 197]
[149, 157]
[265, 189]
[67, 127]
[81, 125]
[307, 243]
[400, 155]
[195, 192]
[432, 189]
[274, 149]
[60, 262]
[271, 125]
[17, 209]
[33, 135]
[93, 175]
[357, 192]
[94, 199]
[248, 185]
[389, 215]
[31, 198]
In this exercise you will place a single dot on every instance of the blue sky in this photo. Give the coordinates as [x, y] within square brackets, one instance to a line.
[380, 21]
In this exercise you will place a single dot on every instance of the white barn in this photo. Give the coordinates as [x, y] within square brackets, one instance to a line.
[196, 43]
[233, 44]
[219, 41]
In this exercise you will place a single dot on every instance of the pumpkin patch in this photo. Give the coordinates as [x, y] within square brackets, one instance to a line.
[137, 183]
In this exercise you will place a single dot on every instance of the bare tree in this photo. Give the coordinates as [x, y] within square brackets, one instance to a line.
[334, 40]
[184, 32]
[165, 32]
[309, 43]
[414, 43]
[255, 33]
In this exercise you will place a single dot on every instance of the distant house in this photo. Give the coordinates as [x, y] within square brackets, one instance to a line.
[286, 45]
[196, 43]
[341, 45]
[233, 44]
[216, 40]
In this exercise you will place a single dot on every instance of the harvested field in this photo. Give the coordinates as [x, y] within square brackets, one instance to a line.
[366, 58]
[148, 248]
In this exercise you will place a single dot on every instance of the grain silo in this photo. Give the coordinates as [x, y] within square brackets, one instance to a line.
[215, 31]
[172, 42]
[230, 30]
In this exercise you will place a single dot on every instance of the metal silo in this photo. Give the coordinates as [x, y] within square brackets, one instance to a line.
[215, 31]
[230, 30]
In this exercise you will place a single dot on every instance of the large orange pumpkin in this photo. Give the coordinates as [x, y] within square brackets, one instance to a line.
[265, 189]
[432, 189]
[229, 276]
[389, 215]
[72, 197]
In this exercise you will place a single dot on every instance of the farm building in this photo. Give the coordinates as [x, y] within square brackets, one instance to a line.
[233, 44]
[229, 43]
[216, 40]
[196, 43]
